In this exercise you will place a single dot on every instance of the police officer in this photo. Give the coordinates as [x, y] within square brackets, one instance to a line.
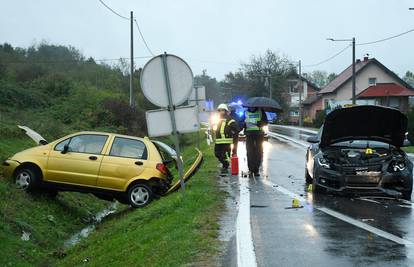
[226, 130]
[254, 121]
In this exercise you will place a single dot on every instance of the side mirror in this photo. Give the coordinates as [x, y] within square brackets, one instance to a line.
[406, 143]
[65, 149]
[313, 139]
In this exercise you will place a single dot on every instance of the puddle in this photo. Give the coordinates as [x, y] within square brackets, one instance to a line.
[85, 232]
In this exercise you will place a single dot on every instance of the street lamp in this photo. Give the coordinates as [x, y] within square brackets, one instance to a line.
[353, 62]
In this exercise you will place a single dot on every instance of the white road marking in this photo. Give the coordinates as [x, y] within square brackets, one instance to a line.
[343, 217]
[246, 255]
[367, 227]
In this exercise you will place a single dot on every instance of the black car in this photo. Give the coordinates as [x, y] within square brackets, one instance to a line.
[358, 149]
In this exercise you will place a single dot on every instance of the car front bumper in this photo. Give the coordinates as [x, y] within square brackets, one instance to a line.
[9, 166]
[386, 182]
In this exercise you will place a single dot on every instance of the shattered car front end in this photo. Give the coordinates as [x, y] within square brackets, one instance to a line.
[367, 170]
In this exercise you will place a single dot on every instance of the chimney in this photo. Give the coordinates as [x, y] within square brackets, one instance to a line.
[366, 57]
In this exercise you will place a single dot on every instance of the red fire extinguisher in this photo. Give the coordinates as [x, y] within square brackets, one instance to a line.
[234, 165]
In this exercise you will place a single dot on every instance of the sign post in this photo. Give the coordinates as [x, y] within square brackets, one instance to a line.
[167, 81]
[171, 108]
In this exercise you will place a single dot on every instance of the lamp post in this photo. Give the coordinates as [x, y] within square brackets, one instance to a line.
[353, 63]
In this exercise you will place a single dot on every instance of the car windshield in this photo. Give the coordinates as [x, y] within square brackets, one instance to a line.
[361, 144]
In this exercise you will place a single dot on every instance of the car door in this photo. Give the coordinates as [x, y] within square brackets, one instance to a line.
[127, 158]
[80, 164]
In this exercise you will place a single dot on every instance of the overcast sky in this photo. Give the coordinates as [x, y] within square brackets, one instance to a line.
[218, 34]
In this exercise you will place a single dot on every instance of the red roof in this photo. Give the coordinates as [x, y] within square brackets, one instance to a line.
[386, 89]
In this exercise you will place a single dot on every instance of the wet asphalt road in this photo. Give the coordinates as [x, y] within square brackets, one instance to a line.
[309, 237]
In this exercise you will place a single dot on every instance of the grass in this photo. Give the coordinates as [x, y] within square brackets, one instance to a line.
[49, 221]
[173, 231]
[408, 149]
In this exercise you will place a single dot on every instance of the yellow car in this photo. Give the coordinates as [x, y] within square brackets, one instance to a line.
[130, 169]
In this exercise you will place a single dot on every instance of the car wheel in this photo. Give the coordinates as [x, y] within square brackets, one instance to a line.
[308, 178]
[27, 179]
[139, 195]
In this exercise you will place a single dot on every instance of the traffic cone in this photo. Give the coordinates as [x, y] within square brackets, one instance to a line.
[234, 165]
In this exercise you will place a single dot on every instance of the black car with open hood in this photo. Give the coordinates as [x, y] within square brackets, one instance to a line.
[358, 149]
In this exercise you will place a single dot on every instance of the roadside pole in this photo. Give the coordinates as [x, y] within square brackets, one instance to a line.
[171, 108]
[300, 94]
[198, 114]
[131, 89]
[353, 72]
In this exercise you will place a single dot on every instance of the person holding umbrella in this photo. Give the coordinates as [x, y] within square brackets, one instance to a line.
[253, 129]
[254, 122]
[226, 130]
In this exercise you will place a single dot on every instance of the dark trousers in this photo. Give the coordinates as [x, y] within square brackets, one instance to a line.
[254, 147]
[222, 153]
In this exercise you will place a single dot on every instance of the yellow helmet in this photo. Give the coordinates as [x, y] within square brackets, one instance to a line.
[223, 106]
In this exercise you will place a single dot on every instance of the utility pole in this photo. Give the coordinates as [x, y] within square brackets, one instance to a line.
[270, 84]
[300, 94]
[353, 64]
[353, 72]
[131, 89]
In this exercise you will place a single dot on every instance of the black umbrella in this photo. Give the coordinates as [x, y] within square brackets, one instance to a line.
[265, 103]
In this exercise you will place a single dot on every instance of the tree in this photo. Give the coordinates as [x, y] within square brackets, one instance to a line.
[409, 78]
[320, 78]
[211, 85]
[252, 77]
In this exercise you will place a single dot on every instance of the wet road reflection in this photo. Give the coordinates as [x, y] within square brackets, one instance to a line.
[310, 237]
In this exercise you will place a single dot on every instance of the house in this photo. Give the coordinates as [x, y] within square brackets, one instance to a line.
[375, 83]
[308, 89]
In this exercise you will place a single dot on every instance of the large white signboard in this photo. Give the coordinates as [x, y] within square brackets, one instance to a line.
[159, 121]
[153, 82]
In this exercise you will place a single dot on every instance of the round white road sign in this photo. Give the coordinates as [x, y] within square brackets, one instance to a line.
[154, 85]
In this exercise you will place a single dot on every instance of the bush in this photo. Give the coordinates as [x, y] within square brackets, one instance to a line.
[319, 118]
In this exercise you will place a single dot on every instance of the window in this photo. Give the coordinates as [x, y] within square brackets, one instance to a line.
[59, 147]
[294, 113]
[128, 148]
[372, 81]
[85, 143]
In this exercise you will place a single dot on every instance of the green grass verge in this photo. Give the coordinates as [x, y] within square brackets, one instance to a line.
[408, 149]
[49, 221]
[172, 231]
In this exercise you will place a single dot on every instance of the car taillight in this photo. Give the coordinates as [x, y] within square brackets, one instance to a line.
[162, 168]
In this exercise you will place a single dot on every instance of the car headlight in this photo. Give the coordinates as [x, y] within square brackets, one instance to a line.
[397, 166]
[324, 163]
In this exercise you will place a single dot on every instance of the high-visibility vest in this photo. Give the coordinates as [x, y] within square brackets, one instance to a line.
[252, 119]
[222, 138]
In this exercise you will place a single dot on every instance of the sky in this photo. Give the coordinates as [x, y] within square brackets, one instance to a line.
[218, 35]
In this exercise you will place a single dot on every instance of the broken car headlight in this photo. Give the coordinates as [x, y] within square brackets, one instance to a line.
[324, 163]
[397, 166]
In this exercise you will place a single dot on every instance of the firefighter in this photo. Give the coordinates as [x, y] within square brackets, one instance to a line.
[254, 121]
[226, 130]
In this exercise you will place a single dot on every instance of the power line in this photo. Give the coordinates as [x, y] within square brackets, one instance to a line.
[142, 37]
[113, 11]
[386, 39]
[328, 59]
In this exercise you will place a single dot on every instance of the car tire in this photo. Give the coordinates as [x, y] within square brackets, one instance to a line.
[27, 179]
[308, 178]
[139, 195]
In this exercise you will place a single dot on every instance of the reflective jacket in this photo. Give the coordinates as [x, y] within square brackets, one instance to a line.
[252, 120]
[226, 129]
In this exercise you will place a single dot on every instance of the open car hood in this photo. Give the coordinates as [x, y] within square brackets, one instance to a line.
[364, 123]
[33, 135]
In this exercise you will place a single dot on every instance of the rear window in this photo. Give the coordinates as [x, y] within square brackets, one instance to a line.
[167, 153]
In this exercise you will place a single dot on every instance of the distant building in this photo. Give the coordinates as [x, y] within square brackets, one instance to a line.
[309, 90]
[375, 84]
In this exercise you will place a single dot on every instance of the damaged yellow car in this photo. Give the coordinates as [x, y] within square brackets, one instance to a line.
[130, 169]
